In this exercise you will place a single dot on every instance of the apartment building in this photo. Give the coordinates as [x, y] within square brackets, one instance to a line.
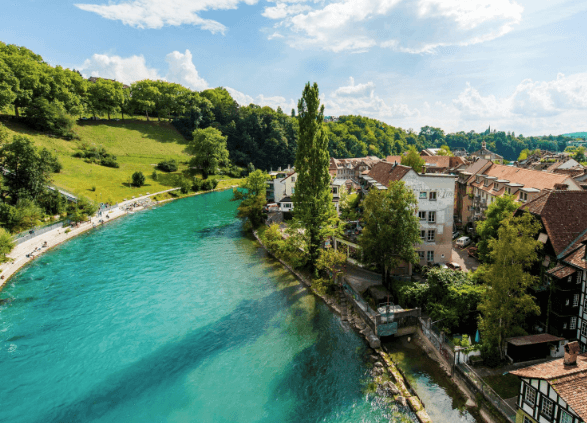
[435, 194]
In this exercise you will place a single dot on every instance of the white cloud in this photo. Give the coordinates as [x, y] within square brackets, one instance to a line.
[360, 99]
[409, 26]
[261, 100]
[183, 71]
[127, 70]
[158, 13]
[130, 69]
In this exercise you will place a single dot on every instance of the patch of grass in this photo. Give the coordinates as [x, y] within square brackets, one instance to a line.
[506, 386]
[138, 145]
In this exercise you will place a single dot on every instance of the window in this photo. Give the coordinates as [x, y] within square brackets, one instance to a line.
[430, 255]
[530, 396]
[421, 255]
[286, 205]
[564, 325]
[334, 190]
[584, 328]
[432, 196]
[566, 417]
[567, 302]
[576, 300]
[496, 187]
[508, 190]
[431, 234]
[431, 216]
[486, 182]
[523, 196]
[527, 420]
[547, 407]
[293, 178]
[570, 278]
[423, 235]
[423, 195]
[422, 215]
[573, 323]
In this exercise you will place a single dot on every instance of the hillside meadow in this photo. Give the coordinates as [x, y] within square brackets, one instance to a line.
[138, 146]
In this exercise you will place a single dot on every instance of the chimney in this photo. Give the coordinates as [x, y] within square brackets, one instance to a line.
[571, 353]
[561, 187]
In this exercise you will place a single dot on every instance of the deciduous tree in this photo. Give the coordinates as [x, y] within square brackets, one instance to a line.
[506, 302]
[501, 208]
[252, 196]
[391, 229]
[412, 158]
[209, 150]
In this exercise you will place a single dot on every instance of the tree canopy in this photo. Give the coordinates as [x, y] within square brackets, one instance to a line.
[209, 150]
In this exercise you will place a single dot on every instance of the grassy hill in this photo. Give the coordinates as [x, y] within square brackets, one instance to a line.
[138, 146]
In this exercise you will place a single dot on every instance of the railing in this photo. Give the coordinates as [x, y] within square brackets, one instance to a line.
[474, 381]
[40, 230]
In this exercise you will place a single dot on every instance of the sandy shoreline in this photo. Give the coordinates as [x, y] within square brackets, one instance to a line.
[42, 243]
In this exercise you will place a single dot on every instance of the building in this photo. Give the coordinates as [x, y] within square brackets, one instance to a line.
[281, 186]
[555, 391]
[435, 195]
[484, 153]
[351, 168]
[562, 295]
[487, 182]
[464, 210]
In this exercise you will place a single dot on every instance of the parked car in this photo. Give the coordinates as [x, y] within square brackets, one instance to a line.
[463, 241]
[455, 234]
[271, 207]
[454, 266]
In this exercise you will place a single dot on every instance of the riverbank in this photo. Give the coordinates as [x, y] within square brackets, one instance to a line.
[27, 251]
[388, 381]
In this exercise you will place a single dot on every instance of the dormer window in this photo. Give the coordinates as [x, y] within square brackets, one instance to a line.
[496, 187]
[486, 182]
[508, 190]
[523, 196]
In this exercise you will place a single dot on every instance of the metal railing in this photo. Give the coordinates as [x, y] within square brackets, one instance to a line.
[40, 230]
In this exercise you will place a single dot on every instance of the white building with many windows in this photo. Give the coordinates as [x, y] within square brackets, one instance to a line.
[435, 194]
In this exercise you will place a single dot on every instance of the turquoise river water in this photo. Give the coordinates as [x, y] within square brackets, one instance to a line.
[171, 315]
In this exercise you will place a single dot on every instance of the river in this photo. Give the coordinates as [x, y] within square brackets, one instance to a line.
[172, 315]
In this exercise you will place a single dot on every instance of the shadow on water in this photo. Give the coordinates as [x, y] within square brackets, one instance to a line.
[247, 322]
[316, 375]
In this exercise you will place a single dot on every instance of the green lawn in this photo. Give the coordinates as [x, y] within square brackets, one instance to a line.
[138, 146]
[506, 386]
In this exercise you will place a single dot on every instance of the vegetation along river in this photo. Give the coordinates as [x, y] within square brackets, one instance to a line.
[172, 315]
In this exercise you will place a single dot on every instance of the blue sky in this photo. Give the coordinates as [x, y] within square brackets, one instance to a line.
[459, 65]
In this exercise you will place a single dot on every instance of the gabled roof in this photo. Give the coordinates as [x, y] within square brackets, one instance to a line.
[564, 216]
[529, 178]
[569, 382]
[447, 162]
[561, 271]
[385, 172]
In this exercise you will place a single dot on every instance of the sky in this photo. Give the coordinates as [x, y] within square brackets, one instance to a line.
[460, 65]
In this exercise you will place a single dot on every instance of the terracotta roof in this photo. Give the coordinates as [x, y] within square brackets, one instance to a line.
[529, 178]
[561, 271]
[485, 151]
[476, 167]
[447, 162]
[570, 382]
[394, 159]
[564, 216]
[534, 339]
[573, 173]
[385, 172]
[576, 257]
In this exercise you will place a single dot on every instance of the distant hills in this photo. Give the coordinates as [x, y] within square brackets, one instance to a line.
[576, 135]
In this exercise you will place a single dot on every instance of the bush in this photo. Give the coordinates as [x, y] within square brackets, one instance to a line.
[154, 175]
[167, 166]
[197, 184]
[490, 354]
[207, 184]
[109, 162]
[97, 155]
[93, 189]
[138, 179]
[185, 185]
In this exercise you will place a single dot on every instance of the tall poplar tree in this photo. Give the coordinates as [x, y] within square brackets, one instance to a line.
[312, 198]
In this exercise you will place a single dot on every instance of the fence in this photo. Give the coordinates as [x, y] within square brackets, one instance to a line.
[25, 236]
[463, 371]
[476, 384]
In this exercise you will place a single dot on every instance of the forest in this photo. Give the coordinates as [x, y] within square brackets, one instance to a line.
[50, 98]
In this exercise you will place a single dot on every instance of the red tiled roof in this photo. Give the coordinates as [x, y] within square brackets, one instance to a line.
[447, 162]
[564, 216]
[385, 172]
[561, 271]
[534, 339]
[394, 159]
[570, 382]
[529, 178]
[576, 257]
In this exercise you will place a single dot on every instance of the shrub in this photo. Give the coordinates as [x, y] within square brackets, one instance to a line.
[207, 185]
[167, 166]
[109, 162]
[138, 179]
[93, 188]
[196, 184]
[97, 155]
[185, 185]
[154, 175]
